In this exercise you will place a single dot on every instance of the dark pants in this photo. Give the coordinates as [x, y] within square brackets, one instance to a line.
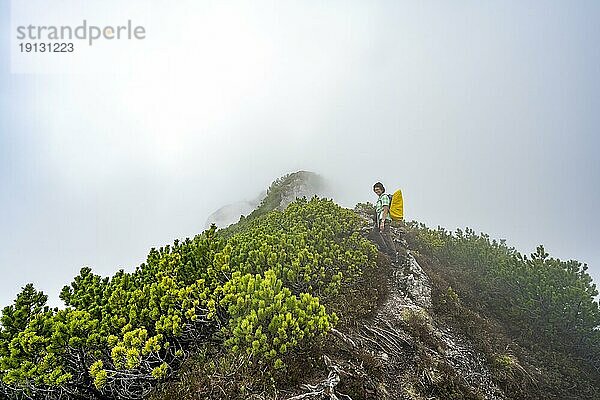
[384, 239]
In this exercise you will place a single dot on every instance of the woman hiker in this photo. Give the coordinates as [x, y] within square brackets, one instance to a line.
[383, 220]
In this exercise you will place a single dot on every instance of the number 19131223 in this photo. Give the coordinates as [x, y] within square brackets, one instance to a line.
[46, 47]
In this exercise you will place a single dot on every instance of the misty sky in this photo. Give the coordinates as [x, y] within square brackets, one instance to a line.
[486, 114]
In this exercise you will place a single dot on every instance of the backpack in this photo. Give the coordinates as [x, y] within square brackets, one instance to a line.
[396, 206]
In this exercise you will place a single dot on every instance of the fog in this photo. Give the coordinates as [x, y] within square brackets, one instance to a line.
[485, 115]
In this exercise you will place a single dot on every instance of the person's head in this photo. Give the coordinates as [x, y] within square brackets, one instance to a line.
[378, 188]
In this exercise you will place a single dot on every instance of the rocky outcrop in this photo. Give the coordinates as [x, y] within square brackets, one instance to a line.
[300, 184]
[403, 351]
[280, 194]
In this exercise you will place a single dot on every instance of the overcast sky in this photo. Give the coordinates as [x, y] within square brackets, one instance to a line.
[486, 114]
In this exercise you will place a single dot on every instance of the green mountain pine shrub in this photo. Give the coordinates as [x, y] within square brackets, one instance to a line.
[257, 289]
[545, 301]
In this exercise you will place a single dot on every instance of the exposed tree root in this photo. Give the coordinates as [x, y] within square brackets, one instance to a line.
[326, 389]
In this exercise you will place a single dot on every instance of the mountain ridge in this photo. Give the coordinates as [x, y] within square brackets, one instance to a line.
[295, 302]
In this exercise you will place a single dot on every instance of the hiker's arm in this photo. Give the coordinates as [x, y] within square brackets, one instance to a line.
[386, 210]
